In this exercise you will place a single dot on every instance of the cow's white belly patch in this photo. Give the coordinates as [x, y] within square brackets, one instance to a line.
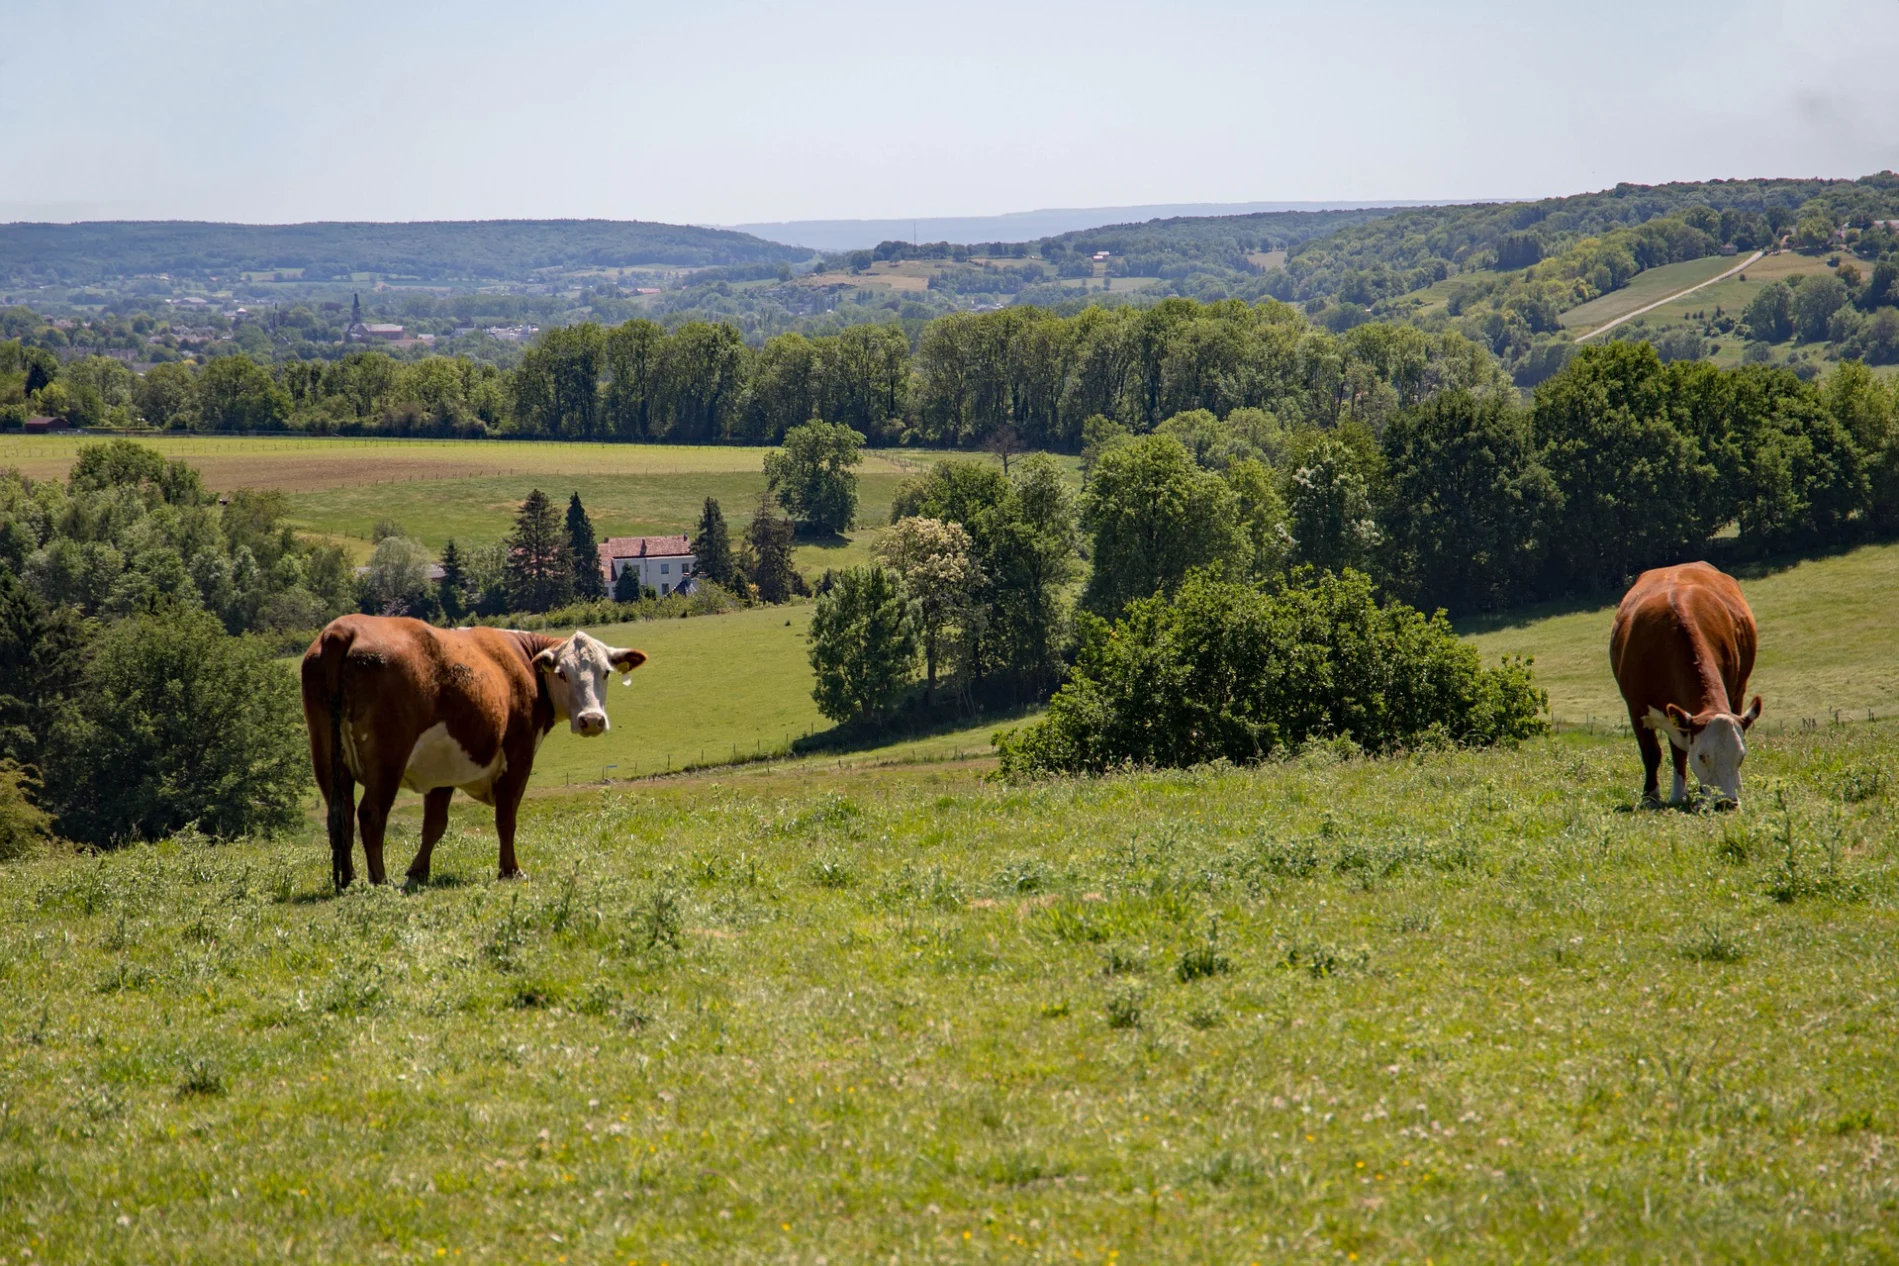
[439, 761]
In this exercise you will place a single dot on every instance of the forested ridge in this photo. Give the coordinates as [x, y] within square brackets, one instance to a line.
[427, 250]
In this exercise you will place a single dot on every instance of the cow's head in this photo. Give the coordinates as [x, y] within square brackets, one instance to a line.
[576, 672]
[1716, 743]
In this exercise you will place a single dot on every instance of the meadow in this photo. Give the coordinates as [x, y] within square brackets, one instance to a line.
[1828, 642]
[1456, 1006]
[864, 1004]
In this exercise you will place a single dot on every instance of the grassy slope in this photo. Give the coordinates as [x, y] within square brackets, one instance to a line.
[1828, 639]
[1473, 1009]
[1645, 288]
[714, 686]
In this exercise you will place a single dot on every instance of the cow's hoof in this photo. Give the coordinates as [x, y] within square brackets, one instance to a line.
[417, 879]
[516, 873]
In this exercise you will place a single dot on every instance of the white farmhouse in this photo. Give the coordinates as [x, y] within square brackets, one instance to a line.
[663, 563]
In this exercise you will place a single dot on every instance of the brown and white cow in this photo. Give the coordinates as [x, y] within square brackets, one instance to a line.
[397, 703]
[1682, 649]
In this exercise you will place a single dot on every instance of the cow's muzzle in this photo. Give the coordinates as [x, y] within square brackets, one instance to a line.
[591, 723]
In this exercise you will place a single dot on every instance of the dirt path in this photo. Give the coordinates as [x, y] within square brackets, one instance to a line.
[1629, 316]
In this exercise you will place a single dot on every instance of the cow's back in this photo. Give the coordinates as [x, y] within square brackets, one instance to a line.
[398, 678]
[1683, 635]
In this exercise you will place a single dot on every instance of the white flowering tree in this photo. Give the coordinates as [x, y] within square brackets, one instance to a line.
[937, 562]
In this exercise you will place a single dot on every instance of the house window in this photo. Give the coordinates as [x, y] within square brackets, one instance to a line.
[665, 587]
[665, 569]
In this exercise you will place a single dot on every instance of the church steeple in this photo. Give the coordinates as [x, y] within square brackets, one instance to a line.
[355, 309]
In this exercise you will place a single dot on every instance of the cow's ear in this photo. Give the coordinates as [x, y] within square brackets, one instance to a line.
[1679, 720]
[1753, 713]
[549, 658]
[625, 661]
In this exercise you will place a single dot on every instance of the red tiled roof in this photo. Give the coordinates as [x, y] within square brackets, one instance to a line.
[642, 547]
[645, 546]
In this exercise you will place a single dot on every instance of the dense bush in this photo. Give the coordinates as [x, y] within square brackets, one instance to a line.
[863, 645]
[1240, 672]
[174, 722]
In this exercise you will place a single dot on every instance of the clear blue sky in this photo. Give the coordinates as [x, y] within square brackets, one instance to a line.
[721, 111]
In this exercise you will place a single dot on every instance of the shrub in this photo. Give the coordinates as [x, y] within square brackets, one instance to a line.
[1236, 672]
[176, 722]
[24, 826]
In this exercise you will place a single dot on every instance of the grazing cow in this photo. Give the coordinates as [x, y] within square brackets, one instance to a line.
[1682, 649]
[397, 703]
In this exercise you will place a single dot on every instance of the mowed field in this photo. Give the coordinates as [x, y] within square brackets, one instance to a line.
[1829, 640]
[1457, 1007]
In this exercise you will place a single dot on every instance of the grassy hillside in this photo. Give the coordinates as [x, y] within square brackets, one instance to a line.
[1827, 640]
[1649, 286]
[715, 688]
[1461, 1007]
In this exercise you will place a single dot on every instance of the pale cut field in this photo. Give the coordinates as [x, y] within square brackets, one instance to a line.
[904, 275]
[315, 464]
[1829, 639]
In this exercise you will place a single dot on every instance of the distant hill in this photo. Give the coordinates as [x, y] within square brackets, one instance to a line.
[1018, 226]
[430, 250]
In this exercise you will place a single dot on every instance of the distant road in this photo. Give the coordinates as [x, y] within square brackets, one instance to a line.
[1629, 316]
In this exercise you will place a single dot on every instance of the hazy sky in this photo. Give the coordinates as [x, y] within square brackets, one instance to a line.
[721, 111]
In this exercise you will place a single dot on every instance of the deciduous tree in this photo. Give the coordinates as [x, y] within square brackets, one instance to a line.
[863, 645]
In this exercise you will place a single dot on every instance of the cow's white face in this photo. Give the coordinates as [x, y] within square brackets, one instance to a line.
[576, 673]
[1716, 743]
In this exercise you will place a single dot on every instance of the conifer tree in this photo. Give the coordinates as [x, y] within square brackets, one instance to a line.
[768, 549]
[540, 562]
[626, 585]
[712, 547]
[452, 589]
[588, 585]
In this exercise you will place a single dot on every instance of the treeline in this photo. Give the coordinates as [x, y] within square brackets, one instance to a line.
[1020, 376]
[1475, 501]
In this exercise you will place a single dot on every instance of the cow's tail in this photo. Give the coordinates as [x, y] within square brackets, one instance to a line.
[334, 649]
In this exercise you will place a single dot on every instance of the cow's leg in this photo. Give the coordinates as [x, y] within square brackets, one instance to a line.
[1650, 743]
[508, 793]
[373, 819]
[434, 823]
[1680, 792]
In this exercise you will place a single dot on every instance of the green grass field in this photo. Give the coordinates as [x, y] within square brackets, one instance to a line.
[1645, 288]
[847, 1007]
[1828, 640]
[1460, 1007]
[715, 688]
